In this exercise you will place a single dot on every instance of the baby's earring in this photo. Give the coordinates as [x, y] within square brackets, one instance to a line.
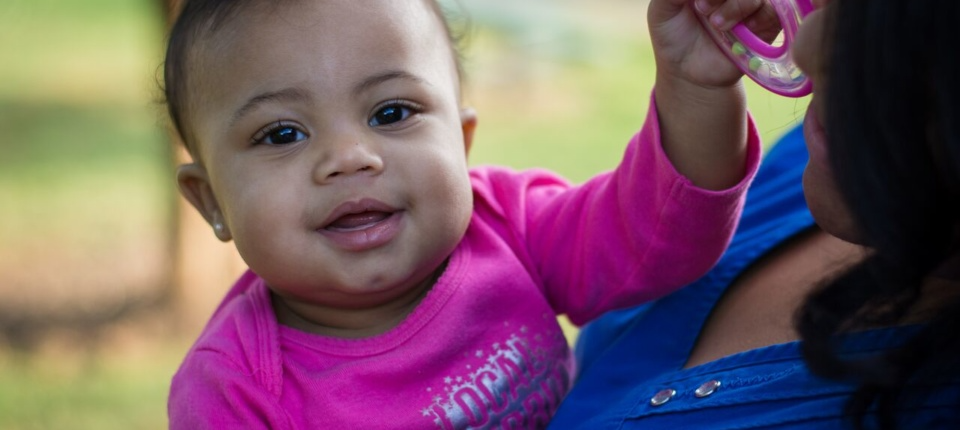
[220, 231]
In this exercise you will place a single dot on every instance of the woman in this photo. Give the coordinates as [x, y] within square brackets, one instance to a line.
[798, 327]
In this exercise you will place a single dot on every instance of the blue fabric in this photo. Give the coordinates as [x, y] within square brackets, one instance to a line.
[628, 356]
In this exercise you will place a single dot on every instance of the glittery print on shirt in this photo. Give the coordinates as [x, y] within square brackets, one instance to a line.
[514, 384]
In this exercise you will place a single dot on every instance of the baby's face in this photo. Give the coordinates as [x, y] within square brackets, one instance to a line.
[329, 135]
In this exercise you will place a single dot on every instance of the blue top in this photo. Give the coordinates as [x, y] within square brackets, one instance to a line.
[631, 361]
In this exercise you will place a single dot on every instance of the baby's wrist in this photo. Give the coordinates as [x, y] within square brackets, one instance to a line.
[678, 91]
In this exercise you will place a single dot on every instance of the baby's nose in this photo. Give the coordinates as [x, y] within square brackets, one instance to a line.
[347, 159]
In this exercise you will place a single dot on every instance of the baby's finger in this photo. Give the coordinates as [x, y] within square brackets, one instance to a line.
[764, 23]
[706, 7]
[726, 15]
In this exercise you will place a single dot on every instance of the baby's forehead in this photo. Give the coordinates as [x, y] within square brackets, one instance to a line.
[246, 13]
[295, 41]
[237, 21]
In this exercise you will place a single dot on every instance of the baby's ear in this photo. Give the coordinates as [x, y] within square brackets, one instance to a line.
[195, 187]
[468, 122]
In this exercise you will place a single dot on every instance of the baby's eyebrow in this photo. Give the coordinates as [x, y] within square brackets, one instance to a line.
[294, 94]
[285, 95]
[379, 78]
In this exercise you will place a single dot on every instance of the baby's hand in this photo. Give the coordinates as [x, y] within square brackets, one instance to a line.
[685, 51]
[701, 104]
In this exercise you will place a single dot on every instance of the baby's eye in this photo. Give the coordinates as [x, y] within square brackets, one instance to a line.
[279, 134]
[391, 114]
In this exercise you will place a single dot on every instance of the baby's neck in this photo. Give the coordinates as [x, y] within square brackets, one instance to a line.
[352, 323]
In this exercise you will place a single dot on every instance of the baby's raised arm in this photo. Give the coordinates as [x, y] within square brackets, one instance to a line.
[699, 95]
[664, 216]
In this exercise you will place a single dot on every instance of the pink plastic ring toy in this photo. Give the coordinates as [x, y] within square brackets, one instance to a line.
[770, 66]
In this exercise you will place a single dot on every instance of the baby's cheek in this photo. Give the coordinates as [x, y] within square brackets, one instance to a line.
[457, 207]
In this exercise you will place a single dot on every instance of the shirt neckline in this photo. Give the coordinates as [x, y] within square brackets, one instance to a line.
[861, 342]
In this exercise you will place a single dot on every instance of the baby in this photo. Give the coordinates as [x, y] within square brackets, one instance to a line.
[390, 286]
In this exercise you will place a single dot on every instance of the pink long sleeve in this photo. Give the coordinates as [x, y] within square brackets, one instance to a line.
[624, 237]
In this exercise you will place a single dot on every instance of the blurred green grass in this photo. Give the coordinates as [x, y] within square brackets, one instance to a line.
[568, 94]
[83, 173]
[84, 162]
[105, 395]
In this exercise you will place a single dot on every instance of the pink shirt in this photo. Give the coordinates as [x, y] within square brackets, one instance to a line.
[483, 349]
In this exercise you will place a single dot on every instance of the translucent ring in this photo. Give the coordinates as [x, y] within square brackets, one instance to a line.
[770, 66]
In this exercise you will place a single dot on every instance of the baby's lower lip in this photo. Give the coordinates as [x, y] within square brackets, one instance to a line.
[364, 231]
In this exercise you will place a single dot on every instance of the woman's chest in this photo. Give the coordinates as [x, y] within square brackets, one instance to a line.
[758, 307]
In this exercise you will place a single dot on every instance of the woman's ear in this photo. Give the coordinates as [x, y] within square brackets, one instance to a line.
[195, 187]
[468, 123]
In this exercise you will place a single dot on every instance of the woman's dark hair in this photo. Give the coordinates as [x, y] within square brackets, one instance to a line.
[199, 18]
[893, 123]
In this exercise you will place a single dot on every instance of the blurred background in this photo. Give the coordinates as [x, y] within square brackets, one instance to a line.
[105, 277]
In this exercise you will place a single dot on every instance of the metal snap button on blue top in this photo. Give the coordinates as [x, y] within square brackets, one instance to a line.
[662, 396]
[707, 388]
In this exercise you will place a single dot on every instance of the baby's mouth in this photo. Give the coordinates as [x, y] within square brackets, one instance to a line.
[361, 226]
[357, 221]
